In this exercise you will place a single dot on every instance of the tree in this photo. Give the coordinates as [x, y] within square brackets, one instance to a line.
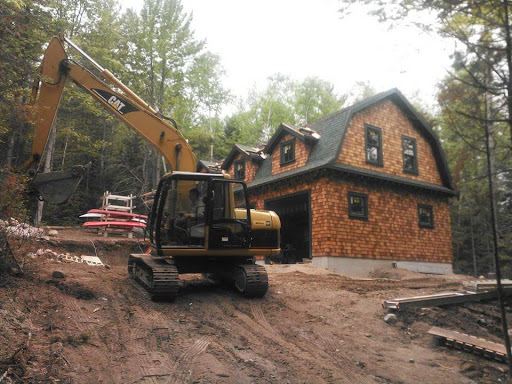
[182, 77]
[282, 101]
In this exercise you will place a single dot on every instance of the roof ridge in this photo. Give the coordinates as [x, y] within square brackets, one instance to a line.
[368, 100]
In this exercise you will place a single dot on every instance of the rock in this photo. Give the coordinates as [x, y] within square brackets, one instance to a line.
[40, 252]
[53, 232]
[58, 275]
[482, 322]
[411, 361]
[467, 366]
[390, 318]
[492, 369]
[107, 266]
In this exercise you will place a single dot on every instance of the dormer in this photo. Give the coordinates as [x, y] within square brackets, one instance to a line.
[205, 166]
[243, 162]
[289, 147]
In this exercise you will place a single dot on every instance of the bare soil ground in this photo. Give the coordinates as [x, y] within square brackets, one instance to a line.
[98, 326]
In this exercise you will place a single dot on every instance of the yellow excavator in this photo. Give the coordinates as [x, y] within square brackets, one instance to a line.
[199, 223]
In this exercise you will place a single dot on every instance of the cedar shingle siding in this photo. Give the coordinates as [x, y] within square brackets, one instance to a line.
[333, 163]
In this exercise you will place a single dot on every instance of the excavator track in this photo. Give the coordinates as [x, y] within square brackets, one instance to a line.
[251, 280]
[156, 274]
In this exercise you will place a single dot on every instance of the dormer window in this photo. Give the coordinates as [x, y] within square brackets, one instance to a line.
[240, 170]
[410, 155]
[287, 152]
[373, 142]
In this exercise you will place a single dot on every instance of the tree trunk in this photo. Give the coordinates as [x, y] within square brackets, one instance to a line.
[50, 147]
[157, 169]
[473, 247]
[10, 149]
[64, 154]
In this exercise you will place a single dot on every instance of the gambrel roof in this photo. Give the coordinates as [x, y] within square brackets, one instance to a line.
[331, 131]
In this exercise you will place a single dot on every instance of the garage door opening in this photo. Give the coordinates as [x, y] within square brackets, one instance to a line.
[295, 214]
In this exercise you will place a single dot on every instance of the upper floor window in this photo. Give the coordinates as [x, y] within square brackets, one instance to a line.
[357, 206]
[410, 155]
[287, 152]
[425, 216]
[240, 170]
[373, 142]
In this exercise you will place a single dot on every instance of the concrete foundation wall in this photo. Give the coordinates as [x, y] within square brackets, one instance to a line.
[363, 267]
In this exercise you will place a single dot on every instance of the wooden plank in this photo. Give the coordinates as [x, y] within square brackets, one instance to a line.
[445, 298]
[486, 285]
[470, 343]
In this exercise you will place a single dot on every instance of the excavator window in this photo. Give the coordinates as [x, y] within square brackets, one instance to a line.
[230, 218]
[181, 210]
[200, 212]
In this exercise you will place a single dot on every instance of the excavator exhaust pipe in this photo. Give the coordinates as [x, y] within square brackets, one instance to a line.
[57, 187]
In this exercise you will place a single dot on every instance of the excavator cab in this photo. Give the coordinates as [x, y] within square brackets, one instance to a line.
[200, 211]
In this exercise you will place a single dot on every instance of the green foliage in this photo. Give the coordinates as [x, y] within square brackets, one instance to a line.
[282, 101]
[462, 129]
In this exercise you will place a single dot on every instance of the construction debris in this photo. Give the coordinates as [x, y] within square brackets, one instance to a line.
[20, 230]
[470, 343]
[67, 257]
[445, 298]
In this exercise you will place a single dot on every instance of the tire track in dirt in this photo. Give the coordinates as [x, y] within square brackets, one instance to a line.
[79, 316]
[261, 354]
[351, 372]
[332, 348]
[154, 365]
[322, 340]
[183, 366]
[261, 319]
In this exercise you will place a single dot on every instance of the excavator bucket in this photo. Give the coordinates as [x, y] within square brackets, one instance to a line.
[57, 187]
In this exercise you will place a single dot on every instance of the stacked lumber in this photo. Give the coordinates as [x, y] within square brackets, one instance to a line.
[470, 343]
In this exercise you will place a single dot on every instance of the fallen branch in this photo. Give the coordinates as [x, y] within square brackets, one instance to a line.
[3, 376]
[66, 360]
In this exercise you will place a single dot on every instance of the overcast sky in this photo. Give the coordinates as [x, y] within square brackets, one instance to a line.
[301, 38]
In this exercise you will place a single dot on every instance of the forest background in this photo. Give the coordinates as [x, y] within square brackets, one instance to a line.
[156, 53]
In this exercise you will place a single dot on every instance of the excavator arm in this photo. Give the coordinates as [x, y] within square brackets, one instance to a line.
[55, 69]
